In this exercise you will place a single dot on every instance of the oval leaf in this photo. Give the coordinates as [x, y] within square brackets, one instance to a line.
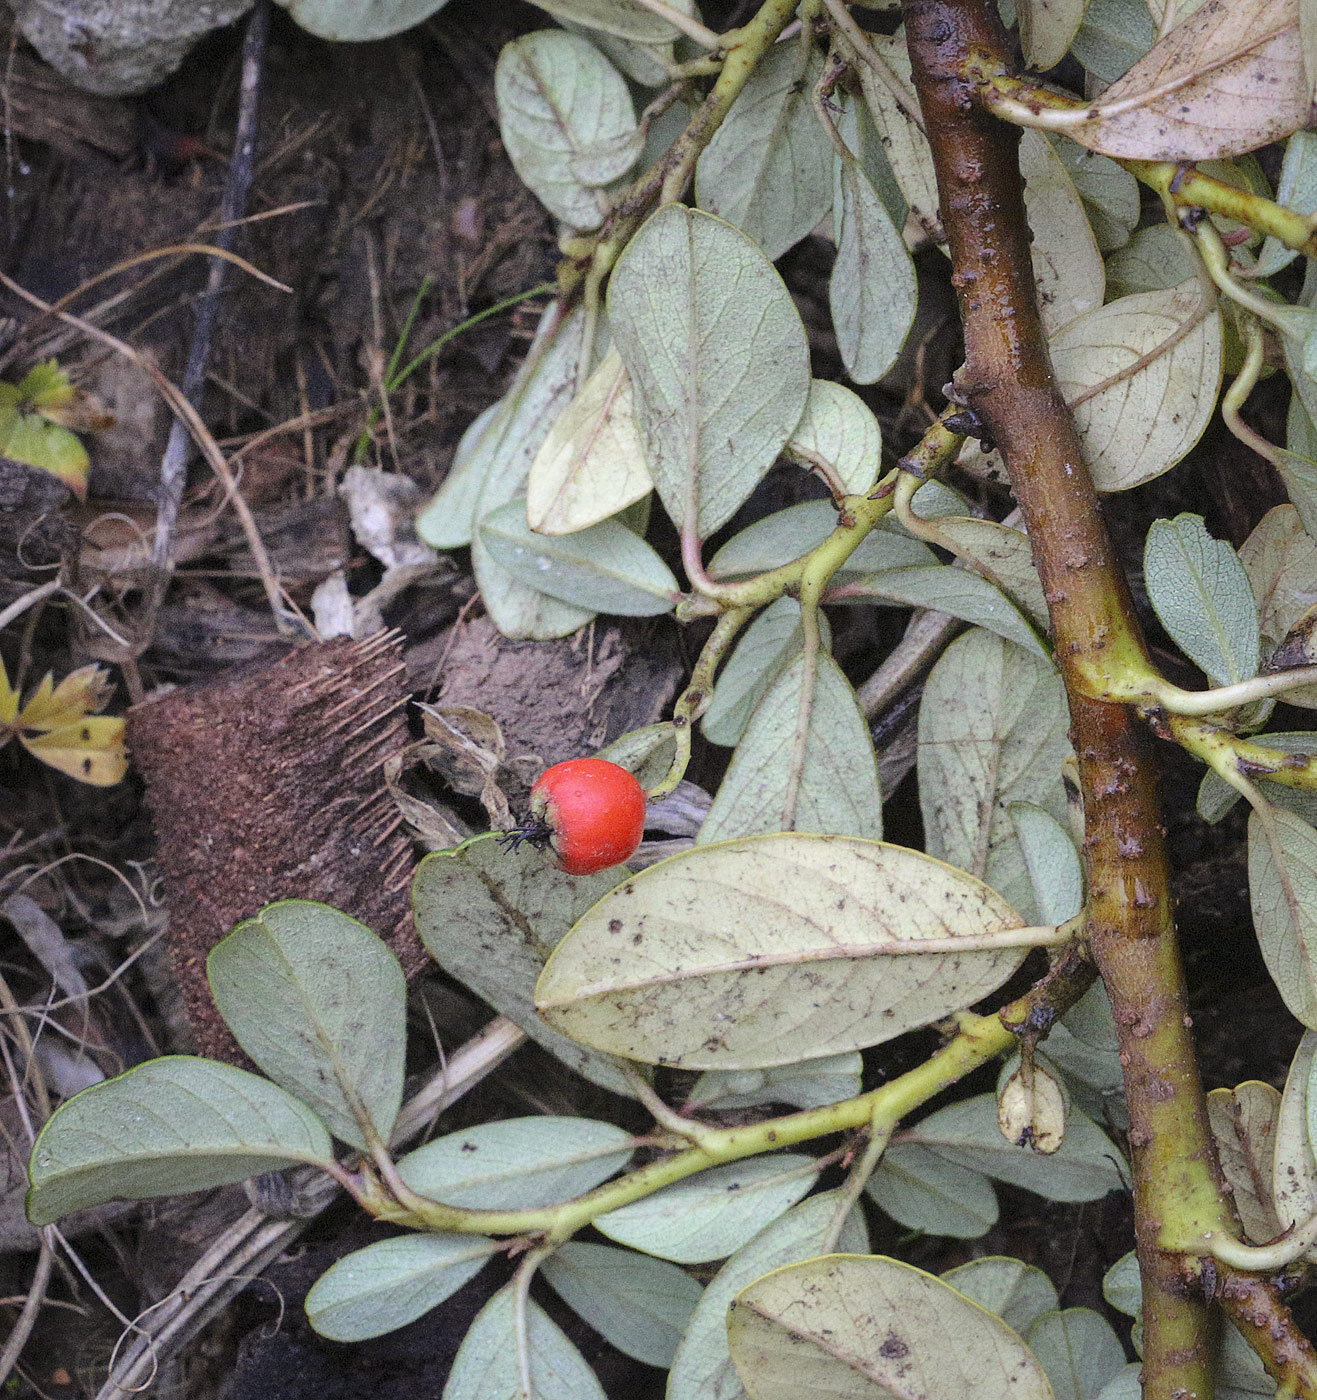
[605, 567]
[1294, 1165]
[956, 591]
[627, 19]
[712, 1215]
[703, 1367]
[1067, 265]
[1014, 1290]
[591, 465]
[517, 1163]
[839, 437]
[319, 1002]
[717, 357]
[1141, 375]
[719, 958]
[1079, 1351]
[992, 732]
[925, 1192]
[1282, 886]
[169, 1126]
[392, 1282]
[767, 168]
[558, 99]
[1201, 594]
[805, 762]
[798, 1331]
[872, 290]
[491, 919]
[808, 1084]
[1244, 1123]
[771, 640]
[351, 21]
[1227, 80]
[641, 1305]
[488, 1365]
[1083, 1169]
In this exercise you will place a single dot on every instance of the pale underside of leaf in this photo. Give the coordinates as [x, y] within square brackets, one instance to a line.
[1141, 375]
[1282, 880]
[1227, 80]
[592, 464]
[717, 958]
[799, 1332]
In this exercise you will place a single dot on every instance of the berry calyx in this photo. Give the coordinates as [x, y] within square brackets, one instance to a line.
[591, 811]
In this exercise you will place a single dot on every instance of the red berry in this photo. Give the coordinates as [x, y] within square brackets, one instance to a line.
[595, 812]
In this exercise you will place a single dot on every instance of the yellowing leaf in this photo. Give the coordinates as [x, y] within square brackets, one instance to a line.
[59, 726]
[1067, 266]
[1243, 1122]
[83, 692]
[8, 698]
[1229, 79]
[92, 750]
[769, 949]
[1047, 29]
[591, 465]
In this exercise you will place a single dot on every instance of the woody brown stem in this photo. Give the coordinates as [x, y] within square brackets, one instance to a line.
[1009, 383]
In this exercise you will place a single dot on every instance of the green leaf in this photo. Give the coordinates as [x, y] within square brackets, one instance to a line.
[1110, 194]
[839, 436]
[1122, 1287]
[703, 1367]
[392, 1282]
[499, 446]
[1015, 1291]
[923, 1191]
[1115, 34]
[640, 1304]
[624, 18]
[798, 1331]
[872, 290]
[591, 465]
[717, 356]
[1154, 259]
[558, 99]
[723, 957]
[1079, 1351]
[956, 591]
[1282, 884]
[1141, 375]
[491, 918]
[646, 752]
[351, 21]
[167, 1127]
[760, 657]
[805, 762]
[1084, 1169]
[1092, 1074]
[517, 1163]
[488, 1363]
[805, 1084]
[605, 567]
[856, 128]
[711, 1215]
[1052, 862]
[1067, 265]
[789, 534]
[320, 1003]
[1201, 594]
[767, 169]
[992, 732]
